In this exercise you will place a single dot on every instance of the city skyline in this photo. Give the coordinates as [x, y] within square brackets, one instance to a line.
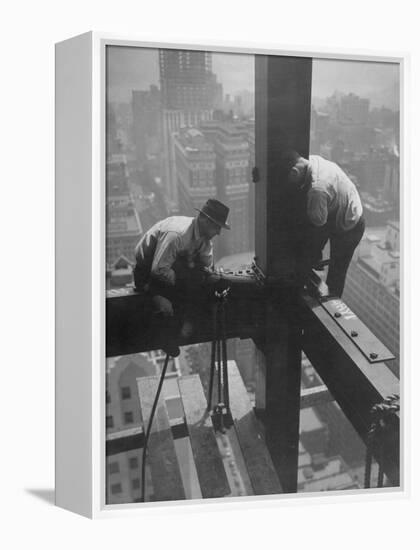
[138, 68]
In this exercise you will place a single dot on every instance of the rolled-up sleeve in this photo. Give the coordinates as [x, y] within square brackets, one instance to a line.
[317, 207]
[166, 253]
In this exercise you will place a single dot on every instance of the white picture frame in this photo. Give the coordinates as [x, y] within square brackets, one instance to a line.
[80, 266]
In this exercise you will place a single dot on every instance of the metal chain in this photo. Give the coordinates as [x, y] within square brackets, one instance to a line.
[219, 357]
[381, 414]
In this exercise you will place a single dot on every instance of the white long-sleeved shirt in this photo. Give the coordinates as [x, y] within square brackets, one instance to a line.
[169, 239]
[332, 193]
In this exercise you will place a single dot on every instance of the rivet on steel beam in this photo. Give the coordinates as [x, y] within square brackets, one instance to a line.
[337, 314]
[373, 355]
[354, 333]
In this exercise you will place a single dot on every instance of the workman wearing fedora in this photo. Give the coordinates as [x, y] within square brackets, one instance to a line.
[173, 257]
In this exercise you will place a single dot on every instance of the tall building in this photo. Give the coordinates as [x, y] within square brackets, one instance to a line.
[118, 127]
[247, 103]
[146, 106]
[353, 109]
[187, 80]
[172, 122]
[195, 163]
[319, 129]
[348, 122]
[372, 288]
[231, 146]
[113, 144]
[380, 170]
[123, 227]
[190, 93]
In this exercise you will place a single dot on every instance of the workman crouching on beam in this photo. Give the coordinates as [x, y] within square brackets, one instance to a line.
[173, 258]
[333, 211]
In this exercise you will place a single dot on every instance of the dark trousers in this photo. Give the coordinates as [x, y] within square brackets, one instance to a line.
[166, 306]
[171, 304]
[342, 247]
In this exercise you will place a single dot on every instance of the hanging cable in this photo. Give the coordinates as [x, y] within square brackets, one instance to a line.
[149, 427]
[213, 357]
[224, 354]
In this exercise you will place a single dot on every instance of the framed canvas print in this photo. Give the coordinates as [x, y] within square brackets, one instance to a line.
[229, 250]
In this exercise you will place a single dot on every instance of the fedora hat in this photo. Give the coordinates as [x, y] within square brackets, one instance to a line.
[216, 211]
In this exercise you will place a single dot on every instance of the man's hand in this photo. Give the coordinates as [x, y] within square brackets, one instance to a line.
[216, 280]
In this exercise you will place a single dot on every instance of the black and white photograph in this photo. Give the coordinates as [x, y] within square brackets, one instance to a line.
[210, 293]
[252, 274]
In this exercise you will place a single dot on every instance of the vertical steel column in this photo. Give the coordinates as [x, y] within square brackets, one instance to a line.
[282, 119]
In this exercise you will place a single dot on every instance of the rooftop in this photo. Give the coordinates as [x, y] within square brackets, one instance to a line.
[231, 129]
[193, 141]
[122, 222]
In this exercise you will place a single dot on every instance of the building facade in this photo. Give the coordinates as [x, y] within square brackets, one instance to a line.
[231, 147]
[123, 227]
[147, 128]
[195, 166]
[172, 122]
[123, 480]
[190, 93]
[372, 288]
[187, 80]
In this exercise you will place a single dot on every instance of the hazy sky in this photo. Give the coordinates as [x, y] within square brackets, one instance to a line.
[377, 81]
[137, 68]
[130, 69]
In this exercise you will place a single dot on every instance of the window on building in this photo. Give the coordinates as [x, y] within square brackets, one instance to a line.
[133, 462]
[128, 417]
[126, 392]
[114, 468]
[135, 483]
[116, 488]
[109, 422]
[108, 397]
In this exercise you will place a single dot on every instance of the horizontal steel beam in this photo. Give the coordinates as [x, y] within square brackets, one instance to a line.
[311, 397]
[128, 317]
[355, 383]
[133, 438]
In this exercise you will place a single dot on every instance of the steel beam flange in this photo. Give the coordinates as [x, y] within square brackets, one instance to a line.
[371, 347]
